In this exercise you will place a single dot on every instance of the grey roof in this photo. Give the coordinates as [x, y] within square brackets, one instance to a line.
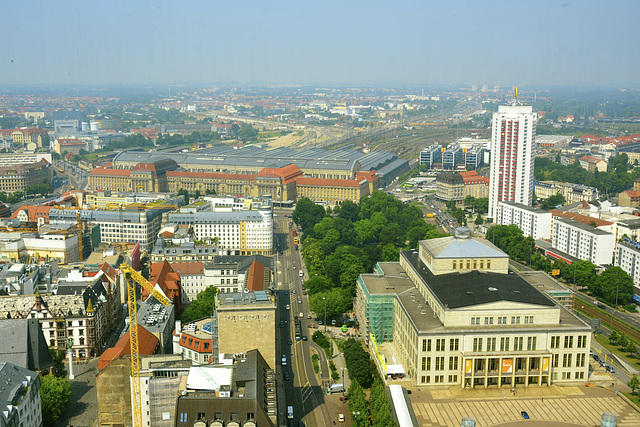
[11, 378]
[23, 344]
[456, 290]
[523, 207]
[581, 226]
[153, 315]
[452, 247]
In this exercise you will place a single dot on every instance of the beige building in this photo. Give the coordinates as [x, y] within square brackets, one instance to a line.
[247, 321]
[461, 318]
[455, 186]
[18, 177]
[572, 192]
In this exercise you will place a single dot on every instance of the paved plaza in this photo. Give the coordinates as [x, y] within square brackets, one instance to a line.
[581, 406]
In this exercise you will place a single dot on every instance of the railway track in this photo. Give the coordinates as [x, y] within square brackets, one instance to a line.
[618, 325]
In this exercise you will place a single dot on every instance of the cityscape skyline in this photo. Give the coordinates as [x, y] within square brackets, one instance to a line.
[407, 43]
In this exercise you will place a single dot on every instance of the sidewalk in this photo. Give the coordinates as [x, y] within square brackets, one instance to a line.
[83, 405]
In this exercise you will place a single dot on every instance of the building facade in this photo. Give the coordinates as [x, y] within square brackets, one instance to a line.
[572, 192]
[461, 318]
[512, 154]
[583, 241]
[19, 397]
[431, 155]
[532, 221]
[20, 176]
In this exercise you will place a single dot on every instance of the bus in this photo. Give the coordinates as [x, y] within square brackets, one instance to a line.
[298, 331]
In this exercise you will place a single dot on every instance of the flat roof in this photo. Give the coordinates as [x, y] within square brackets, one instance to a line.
[457, 290]
[524, 207]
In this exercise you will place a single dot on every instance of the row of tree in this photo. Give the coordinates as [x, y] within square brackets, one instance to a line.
[613, 285]
[55, 390]
[338, 247]
[374, 412]
[43, 189]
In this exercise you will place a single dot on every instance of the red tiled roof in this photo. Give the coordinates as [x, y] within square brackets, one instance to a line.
[184, 268]
[193, 343]
[286, 173]
[147, 344]
[110, 172]
[255, 280]
[633, 194]
[585, 219]
[34, 212]
[368, 175]
[166, 234]
[169, 281]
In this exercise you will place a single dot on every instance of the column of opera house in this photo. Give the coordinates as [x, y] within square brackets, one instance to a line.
[452, 313]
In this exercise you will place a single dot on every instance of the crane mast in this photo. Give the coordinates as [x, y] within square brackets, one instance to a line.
[134, 277]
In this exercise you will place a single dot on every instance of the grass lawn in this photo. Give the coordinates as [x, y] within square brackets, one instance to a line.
[633, 397]
[613, 349]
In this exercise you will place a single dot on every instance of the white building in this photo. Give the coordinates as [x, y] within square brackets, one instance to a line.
[532, 221]
[583, 241]
[236, 233]
[19, 397]
[627, 257]
[512, 154]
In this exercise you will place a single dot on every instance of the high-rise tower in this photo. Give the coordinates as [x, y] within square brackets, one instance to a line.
[512, 154]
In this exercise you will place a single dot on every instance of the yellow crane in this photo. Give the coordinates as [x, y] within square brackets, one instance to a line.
[134, 277]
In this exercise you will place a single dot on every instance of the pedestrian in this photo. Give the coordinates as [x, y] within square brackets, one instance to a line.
[542, 399]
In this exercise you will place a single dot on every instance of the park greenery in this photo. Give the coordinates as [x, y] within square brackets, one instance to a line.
[201, 307]
[359, 364]
[375, 411]
[339, 246]
[618, 177]
[612, 286]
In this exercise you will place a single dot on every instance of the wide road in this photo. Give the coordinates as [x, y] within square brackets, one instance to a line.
[306, 395]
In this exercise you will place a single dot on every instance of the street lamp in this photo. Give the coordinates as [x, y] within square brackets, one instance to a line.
[325, 314]
[355, 415]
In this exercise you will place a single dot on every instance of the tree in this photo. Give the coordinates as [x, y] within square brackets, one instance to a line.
[307, 214]
[59, 369]
[634, 384]
[479, 220]
[318, 284]
[553, 201]
[349, 211]
[613, 337]
[613, 285]
[55, 393]
[631, 348]
[337, 302]
[202, 306]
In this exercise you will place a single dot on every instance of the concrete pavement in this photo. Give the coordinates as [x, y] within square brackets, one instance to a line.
[83, 405]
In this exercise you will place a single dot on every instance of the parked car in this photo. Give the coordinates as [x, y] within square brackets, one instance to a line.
[286, 376]
[610, 369]
[524, 415]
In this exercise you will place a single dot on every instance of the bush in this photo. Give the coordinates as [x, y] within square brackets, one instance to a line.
[320, 339]
[630, 308]
[314, 360]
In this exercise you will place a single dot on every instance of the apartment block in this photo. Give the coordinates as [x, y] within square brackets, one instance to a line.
[532, 221]
[583, 241]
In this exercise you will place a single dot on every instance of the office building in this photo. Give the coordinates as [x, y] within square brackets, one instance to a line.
[532, 221]
[18, 177]
[474, 156]
[460, 317]
[452, 156]
[512, 155]
[431, 155]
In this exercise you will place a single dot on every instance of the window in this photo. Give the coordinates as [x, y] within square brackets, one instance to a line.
[582, 341]
[580, 358]
[201, 416]
[183, 417]
[504, 344]
[428, 345]
[424, 345]
[568, 341]
[454, 344]
[251, 416]
[454, 264]
[517, 343]
[440, 344]
[515, 320]
[475, 320]
[491, 344]
[488, 264]
[453, 378]
[424, 363]
[555, 341]
[488, 320]
[502, 320]
[531, 343]
[453, 363]
[554, 360]
[426, 379]
[439, 378]
[439, 363]
[566, 360]
[477, 344]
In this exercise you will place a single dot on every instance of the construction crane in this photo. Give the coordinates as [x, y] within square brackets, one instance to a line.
[134, 277]
[79, 224]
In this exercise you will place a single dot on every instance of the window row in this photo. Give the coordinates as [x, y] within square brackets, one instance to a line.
[440, 344]
[501, 320]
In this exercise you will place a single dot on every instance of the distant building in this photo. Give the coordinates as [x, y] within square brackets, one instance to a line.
[593, 164]
[197, 341]
[532, 221]
[455, 186]
[572, 193]
[627, 257]
[474, 156]
[20, 176]
[430, 155]
[452, 156]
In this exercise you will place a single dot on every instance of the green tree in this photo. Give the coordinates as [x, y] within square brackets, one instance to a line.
[201, 307]
[479, 220]
[613, 285]
[358, 405]
[634, 384]
[318, 284]
[337, 302]
[358, 362]
[390, 253]
[349, 211]
[55, 393]
[553, 201]
[59, 369]
[307, 214]
[613, 337]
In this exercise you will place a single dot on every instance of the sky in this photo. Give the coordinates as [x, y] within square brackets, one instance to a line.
[326, 42]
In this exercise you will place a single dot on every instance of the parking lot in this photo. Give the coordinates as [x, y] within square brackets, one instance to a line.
[545, 406]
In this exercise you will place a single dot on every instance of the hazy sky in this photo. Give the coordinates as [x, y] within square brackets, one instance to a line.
[391, 43]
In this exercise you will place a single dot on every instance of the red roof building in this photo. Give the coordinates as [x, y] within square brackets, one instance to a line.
[147, 344]
[163, 275]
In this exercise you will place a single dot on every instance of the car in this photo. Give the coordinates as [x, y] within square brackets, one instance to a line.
[294, 267]
[601, 306]
[596, 358]
[591, 353]
[319, 322]
[286, 376]
[341, 418]
[299, 301]
[524, 415]
[308, 316]
[304, 292]
[610, 368]
[294, 291]
[304, 338]
[284, 360]
[286, 292]
[282, 323]
[289, 342]
[281, 253]
[287, 307]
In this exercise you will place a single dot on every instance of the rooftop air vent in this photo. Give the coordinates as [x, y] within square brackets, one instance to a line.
[492, 289]
[469, 293]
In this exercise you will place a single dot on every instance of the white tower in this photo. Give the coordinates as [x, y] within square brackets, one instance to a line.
[513, 139]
